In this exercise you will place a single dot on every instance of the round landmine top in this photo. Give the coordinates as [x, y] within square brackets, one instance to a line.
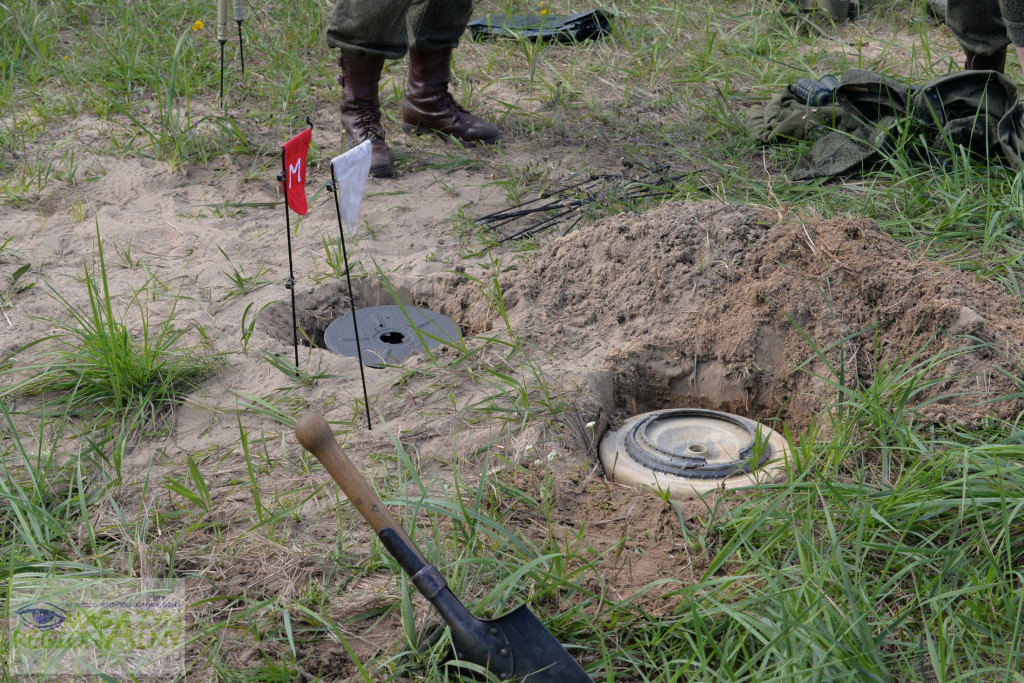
[692, 451]
[390, 334]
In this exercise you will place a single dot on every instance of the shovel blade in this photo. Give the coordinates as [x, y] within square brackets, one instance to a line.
[537, 656]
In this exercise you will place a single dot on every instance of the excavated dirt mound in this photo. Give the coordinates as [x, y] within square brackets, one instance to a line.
[719, 306]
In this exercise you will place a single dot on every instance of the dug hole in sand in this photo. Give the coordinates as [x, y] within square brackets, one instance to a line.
[746, 311]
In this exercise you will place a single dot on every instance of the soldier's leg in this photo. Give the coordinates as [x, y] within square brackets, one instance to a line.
[369, 28]
[435, 27]
[367, 32]
[978, 26]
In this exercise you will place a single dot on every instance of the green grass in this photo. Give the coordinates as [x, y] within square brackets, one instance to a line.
[855, 579]
[242, 280]
[891, 552]
[98, 368]
[43, 502]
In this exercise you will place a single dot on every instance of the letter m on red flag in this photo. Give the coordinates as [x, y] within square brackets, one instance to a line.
[293, 154]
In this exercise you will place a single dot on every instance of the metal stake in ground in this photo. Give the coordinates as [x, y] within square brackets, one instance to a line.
[351, 298]
[289, 284]
[239, 16]
[293, 183]
[222, 38]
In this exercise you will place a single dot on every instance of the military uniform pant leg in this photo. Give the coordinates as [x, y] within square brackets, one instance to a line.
[977, 25]
[387, 28]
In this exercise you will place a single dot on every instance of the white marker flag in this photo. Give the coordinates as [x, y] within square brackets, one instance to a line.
[350, 172]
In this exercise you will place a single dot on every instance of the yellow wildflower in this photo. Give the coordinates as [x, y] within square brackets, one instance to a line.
[544, 11]
[198, 25]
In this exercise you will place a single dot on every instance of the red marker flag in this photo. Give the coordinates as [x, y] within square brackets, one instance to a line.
[294, 156]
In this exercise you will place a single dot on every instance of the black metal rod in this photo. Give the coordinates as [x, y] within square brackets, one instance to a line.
[553, 220]
[573, 225]
[652, 182]
[537, 226]
[241, 47]
[351, 297]
[513, 217]
[290, 283]
[554, 202]
[557, 203]
[222, 86]
[547, 195]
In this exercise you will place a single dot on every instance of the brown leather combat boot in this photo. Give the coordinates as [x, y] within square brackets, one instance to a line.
[976, 62]
[360, 110]
[428, 107]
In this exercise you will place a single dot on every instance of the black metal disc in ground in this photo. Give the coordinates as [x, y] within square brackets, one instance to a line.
[390, 334]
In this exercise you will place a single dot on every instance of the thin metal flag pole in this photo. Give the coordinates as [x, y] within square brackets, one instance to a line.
[222, 38]
[239, 16]
[290, 282]
[351, 297]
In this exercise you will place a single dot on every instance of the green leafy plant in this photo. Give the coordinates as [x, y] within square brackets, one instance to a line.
[29, 181]
[18, 284]
[334, 258]
[44, 500]
[242, 281]
[249, 318]
[177, 136]
[305, 376]
[252, 470]
[5, 246]
[98, 368]
[198, 493]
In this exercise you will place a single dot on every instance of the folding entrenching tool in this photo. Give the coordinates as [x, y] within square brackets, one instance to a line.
[516, 646]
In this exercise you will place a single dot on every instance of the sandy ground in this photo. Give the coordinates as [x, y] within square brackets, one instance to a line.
[163, 233]
[699, 304]
[696, 304]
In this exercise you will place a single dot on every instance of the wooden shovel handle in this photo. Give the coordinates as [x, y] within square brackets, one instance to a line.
[315, 435]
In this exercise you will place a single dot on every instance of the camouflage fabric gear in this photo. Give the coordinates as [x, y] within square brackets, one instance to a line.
[976, 110]
[388, 28]
[785, 118]
[986, 26]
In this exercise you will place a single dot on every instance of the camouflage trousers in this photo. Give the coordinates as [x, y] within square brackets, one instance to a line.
[985, 27]
[388, 28]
